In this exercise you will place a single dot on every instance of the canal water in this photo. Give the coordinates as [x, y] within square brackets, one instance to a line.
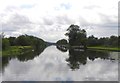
[55, 64]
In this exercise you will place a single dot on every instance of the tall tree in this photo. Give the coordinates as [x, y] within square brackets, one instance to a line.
[76, 35]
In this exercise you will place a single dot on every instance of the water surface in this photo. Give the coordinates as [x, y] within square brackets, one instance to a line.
[55, 64]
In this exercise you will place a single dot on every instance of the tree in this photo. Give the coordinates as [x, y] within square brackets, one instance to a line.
[23, 40]
[76, 35]
[5, 43]
[113, 41]
[62, 42]
[92, 41]
[12, 41]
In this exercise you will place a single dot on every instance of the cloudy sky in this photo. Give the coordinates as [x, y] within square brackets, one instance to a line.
[49, 19]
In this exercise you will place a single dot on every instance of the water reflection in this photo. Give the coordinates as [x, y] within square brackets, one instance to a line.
[23, 57]
[63, 49]
[76, 58]
[79, 57]
[54, 65]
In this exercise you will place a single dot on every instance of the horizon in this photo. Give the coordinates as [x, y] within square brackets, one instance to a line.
[61, 38]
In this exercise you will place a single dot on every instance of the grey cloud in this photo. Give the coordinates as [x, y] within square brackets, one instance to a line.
[15, 23]
[48, 21]
[50, 27]
[83, 22]
[19, 20]
[107, 21]
[64, 20]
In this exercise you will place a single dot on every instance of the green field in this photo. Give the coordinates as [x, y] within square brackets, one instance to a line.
[16, 50]
[104, 48]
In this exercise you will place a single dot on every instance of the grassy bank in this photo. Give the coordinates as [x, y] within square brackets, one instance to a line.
[16, 50]
[104, 48]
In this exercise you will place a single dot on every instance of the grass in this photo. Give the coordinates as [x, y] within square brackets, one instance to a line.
[104, 48]
[15, 50]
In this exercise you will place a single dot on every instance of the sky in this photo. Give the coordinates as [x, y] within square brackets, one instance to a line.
[49, 19]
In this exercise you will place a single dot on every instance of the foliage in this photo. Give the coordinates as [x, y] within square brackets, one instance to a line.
[62, 42]
[5, 43]
[23, 40]
[12, 41]
[16, 50]
[111, 41]
[76, 35]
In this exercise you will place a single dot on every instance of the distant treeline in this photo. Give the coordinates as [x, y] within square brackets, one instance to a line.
[23, 40]
[111, 41]
[78, 37]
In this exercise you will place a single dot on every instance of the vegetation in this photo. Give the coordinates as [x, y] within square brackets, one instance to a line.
[62, 42]
[104, 48]
[14, 45]
[111, 41]
[16, 50]
[5, 43]
[76, 36]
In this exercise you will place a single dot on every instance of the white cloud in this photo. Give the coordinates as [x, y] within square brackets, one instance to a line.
[48, 19]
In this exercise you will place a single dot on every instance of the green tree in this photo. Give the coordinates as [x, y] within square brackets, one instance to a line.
[5, 43]
[76, 35]
[62, 42]
[113, 41]
[23, 40]
[92, 41]
[12, 41]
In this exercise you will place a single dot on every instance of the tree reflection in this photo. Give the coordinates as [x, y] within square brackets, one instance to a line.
[79, 57]
[61, 48]
[23, 57]
[76, 58]
[92, 54]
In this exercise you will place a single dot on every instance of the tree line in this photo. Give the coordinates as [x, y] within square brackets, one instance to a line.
[22, 40]
[78, 37]
[111, 41]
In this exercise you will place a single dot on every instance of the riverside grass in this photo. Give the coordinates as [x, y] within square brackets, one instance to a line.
[15, 50]
[104, 48]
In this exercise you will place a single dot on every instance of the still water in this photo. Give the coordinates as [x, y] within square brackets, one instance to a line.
[55, 64]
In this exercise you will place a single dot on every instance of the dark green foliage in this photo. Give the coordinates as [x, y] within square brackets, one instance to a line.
[92, 41]
[38, 43]
[24, 40]
[62, 42]
[12, 41]
[111, 41]
[5, 43]
[119, 41]
[76, 35]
